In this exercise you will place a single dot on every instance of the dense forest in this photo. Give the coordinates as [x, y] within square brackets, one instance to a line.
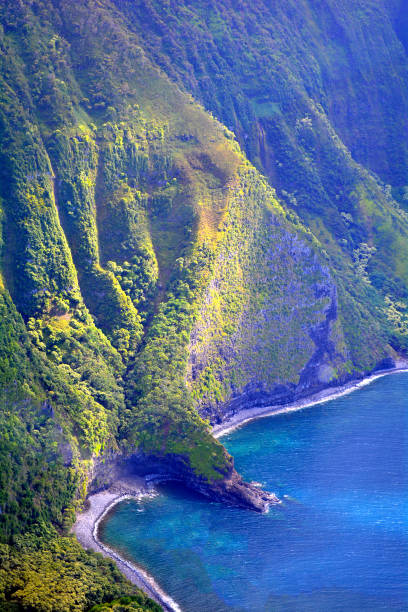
[203, 205]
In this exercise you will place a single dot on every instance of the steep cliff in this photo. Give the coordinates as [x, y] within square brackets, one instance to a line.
[259, 66]
[152, 279]
[307, 88]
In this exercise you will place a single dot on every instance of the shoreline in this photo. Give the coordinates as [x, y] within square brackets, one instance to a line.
[326, 395]
[86, 530]
[88, 522]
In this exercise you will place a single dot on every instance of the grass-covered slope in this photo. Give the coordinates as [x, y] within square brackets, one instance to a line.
[257, 65]
[311, 90]
[316, 94]
[45, 423]
[150, 274]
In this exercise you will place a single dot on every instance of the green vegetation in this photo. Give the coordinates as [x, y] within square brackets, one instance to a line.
[149, 273]
[42, 573]
[130, 603]
[331, 140]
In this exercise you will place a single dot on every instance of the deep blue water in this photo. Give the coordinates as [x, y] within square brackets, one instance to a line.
[338, 543]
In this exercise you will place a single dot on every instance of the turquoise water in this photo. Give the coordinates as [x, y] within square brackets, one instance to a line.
[338, 542]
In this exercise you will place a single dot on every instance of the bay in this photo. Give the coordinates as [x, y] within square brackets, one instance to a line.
[339, 540]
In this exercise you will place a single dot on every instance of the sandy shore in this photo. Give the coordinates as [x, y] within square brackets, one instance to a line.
[86, 530]
[244, 416]
[87, 523]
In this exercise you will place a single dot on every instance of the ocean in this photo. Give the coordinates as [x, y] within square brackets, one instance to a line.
[339, 540]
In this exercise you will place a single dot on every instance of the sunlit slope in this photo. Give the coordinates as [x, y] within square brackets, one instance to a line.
[121, 196]
[151, 274]
[317, 95]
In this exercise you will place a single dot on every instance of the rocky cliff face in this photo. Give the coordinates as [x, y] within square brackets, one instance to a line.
[271, 327]
[302, 87]
[150, 274]
[230, 489]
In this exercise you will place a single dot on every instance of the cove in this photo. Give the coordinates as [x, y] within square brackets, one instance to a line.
[339, 540]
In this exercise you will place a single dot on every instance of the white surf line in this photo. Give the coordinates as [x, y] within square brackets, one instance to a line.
[147, 581]
[245, 416]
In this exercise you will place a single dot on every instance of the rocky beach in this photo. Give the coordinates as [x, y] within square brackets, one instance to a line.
[245, 416]
[87, 525]
[101, 503]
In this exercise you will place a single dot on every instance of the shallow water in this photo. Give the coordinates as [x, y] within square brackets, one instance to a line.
[338, 543]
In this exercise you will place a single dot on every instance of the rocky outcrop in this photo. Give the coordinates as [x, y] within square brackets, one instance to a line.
[235, 491]
[273, 325]
[230, 489]
[257, 395]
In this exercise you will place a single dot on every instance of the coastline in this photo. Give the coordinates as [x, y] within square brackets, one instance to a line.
[245, 416]
[87, 524]
[86, 529]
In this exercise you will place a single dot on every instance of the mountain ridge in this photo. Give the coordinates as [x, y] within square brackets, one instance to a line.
[151, 275]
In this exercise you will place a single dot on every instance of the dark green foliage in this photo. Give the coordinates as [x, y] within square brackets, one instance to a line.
[42, 573]
[161, 417]
[255, 65]
[294, 110]
[14, 345]
[147, 268]
[129, 604]
[35, 486]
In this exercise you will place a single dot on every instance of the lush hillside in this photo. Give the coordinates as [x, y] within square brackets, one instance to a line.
[151, 278]
[308, 89]
[262, 66]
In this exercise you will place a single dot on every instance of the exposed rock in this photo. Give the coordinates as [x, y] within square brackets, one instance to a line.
[235, 491]
[231, 489]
